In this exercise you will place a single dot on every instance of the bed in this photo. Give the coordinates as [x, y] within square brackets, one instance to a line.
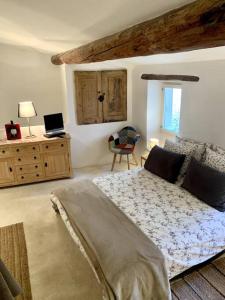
[185, 229]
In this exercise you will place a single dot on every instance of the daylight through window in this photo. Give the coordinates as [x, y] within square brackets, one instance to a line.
[171, 112]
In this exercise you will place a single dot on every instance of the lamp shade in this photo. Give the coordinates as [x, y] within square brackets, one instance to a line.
[26, 109]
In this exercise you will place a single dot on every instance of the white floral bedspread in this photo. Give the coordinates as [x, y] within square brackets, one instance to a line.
[186, 230]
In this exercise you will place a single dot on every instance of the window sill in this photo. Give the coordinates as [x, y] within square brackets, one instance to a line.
[168, 132]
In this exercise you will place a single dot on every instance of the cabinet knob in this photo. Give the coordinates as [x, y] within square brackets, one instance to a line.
[62, 145]
[19, 159]
[21, 169]
[3, 151]
[17, 150]
[37, 175]
[36, 167]
[22, 177]
[46, 164]
[10, 169]
[35, 157]
[34, 148]
[46, 147]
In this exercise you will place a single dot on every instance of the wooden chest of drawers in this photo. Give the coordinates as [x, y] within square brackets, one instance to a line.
[33, 160]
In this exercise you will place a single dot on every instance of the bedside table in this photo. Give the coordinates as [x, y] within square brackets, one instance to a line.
[144, 156]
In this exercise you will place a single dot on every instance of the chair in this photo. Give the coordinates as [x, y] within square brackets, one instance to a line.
[123, 143]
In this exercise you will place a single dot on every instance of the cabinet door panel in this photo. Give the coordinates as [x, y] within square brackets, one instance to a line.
[89, 109]
[6, 171]
[56, 164]
[114, 85]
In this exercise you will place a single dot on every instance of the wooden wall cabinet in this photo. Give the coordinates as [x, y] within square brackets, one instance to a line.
[101, 96]
[33, 160]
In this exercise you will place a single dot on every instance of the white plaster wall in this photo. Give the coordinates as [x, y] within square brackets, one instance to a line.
[154, 109]
[26, 74]
[203, 103]
[90, 142]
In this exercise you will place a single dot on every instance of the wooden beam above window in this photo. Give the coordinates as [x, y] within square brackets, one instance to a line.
[170, 77]
[198, 25]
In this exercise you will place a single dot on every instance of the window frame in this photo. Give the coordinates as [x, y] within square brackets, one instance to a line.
[169, 85]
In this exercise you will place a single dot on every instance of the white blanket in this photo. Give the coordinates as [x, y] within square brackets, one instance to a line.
[187, 230]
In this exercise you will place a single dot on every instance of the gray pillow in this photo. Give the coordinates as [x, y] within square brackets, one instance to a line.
[218, 149]
[188, 149]
[200, 147]
[215, 160]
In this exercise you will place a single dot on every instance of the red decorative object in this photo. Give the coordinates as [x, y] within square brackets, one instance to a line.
[13, 131]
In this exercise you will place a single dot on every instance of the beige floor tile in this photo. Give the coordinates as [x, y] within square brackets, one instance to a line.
[58, 270]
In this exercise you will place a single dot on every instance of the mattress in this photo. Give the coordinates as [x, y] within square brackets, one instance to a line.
[186, 230]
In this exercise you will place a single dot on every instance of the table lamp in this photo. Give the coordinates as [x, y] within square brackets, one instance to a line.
[27, 110]
[152, 142]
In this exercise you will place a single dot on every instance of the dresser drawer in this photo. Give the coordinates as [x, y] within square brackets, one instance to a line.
[54, 146]
[27, 169]
[5, 152]
[21, 150]
[25, 178]
[30, 158]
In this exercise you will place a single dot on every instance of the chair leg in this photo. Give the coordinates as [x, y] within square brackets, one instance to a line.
[128, 162]
[135, 158]
[114, 160]
[120, 158]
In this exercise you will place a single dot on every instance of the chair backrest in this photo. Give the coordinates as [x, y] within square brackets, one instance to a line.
[128, 135]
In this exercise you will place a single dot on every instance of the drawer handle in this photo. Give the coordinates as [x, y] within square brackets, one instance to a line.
[17, 150]
[22, 177]
[46, 147]
[36, 167]
[10, 169]
[35, 157]
[21, 169]
[19, 159]
[62, 145]
[3, 151]
[37, 175]
[46, 165]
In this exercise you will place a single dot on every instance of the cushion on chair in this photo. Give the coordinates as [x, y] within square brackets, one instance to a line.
[124, 141]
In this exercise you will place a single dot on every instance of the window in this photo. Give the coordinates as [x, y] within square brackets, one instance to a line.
[171, 108]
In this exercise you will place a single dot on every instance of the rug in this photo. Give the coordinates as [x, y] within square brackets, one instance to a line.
[13, 252]
[206, 282]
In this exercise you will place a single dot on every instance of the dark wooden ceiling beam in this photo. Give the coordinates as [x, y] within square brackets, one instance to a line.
[170, 77]
[198, 25]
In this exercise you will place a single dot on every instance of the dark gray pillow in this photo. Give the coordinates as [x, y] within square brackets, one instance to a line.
[164, 163]
[206, 183]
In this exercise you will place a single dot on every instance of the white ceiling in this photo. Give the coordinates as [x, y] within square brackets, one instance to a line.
[59, 25]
